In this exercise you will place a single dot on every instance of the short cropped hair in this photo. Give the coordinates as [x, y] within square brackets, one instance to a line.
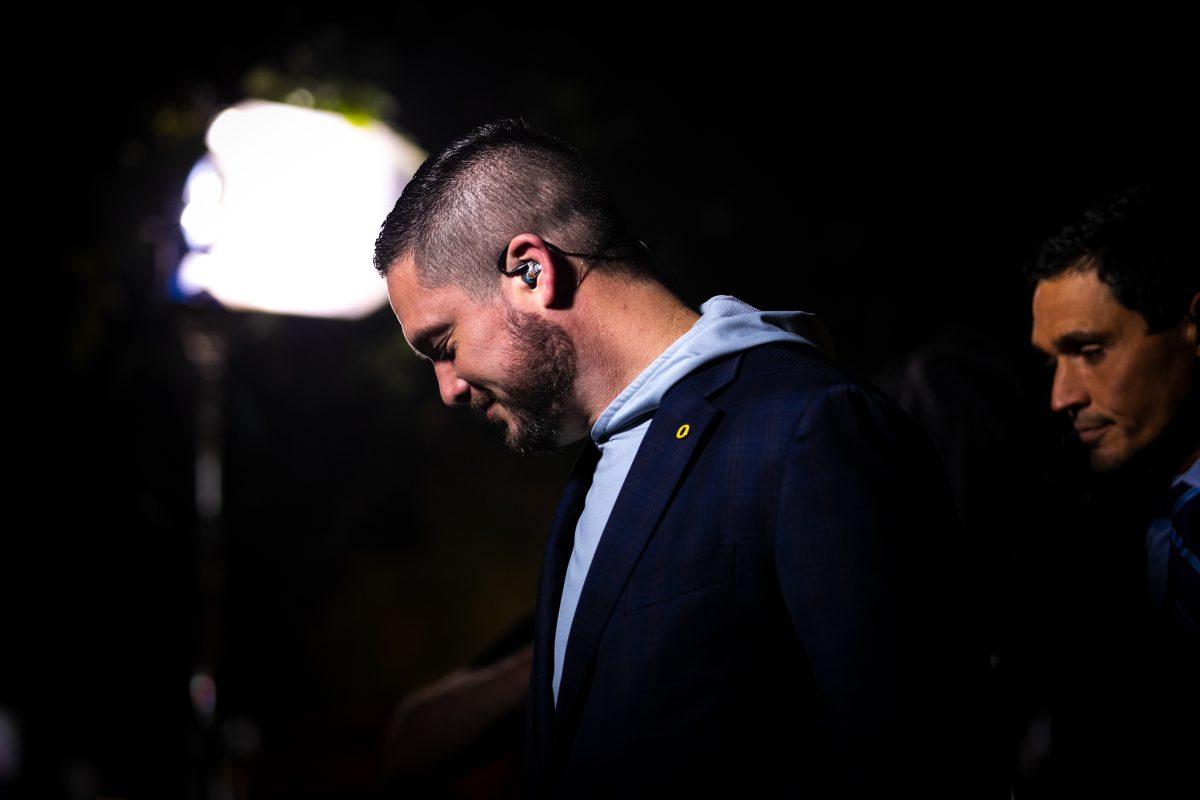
[466, 202]
[1142, 243]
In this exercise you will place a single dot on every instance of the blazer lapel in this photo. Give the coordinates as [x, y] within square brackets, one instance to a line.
[554, 567]
[676, 433]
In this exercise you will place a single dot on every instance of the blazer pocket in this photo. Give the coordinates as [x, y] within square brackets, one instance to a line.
[695, 574]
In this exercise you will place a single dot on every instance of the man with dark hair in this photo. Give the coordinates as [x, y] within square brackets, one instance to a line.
[752, 581]
[1115, 309]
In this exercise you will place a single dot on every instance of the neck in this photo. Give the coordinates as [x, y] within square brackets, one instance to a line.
[1186, 432]
[1178, 447]
[1188, 460]
[624, 326]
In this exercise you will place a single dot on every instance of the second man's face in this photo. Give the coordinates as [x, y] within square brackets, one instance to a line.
[1121, 385]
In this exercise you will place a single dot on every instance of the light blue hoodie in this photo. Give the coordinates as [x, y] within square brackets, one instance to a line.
[726, 325]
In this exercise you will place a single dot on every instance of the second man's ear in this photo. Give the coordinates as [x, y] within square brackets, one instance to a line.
[1193, 322]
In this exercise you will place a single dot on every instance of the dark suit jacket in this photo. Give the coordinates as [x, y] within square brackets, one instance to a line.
[1119, 673]
[776, 600]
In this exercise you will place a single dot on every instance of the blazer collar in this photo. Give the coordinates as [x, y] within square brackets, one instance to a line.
[676, 435]
[554, 568]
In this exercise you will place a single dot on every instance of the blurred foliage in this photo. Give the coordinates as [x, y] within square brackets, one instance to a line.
[358, 102]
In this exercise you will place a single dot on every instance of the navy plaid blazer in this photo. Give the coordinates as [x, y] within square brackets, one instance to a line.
[777, 601]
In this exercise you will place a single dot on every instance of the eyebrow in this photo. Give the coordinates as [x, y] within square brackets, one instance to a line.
[1073, 340]
[421, 339]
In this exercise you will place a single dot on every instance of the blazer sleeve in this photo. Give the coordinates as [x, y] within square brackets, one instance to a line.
[866, 561]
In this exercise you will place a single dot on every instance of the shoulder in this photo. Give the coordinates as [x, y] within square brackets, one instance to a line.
[791, 381]
[800, 403]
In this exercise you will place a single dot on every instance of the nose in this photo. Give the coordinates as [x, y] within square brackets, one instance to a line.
[454, 390]
[1068, 390]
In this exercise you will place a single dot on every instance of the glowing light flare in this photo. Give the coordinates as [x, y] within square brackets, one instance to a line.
[203, 691]
[283, 213]
[201, 217]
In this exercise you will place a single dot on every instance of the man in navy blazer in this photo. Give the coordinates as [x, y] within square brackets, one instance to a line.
[752, 582]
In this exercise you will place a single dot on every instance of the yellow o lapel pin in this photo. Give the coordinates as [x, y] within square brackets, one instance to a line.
[683, 431]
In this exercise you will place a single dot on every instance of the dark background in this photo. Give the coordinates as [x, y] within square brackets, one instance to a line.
[374, 540]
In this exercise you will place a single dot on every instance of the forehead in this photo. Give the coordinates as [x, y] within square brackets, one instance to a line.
[421, 310]
[1077, 301]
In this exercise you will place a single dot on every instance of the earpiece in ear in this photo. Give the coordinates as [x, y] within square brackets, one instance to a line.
[532, 270]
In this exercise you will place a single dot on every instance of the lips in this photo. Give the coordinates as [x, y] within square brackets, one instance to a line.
[1090, 434]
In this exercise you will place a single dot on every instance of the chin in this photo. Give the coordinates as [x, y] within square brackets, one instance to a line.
[1103, 462]
[1110, 458]
[528, 437]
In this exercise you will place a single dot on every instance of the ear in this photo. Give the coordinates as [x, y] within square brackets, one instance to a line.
[1192, 323]
[548, 290]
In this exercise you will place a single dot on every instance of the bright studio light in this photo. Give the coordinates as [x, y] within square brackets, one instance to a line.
[282, 213]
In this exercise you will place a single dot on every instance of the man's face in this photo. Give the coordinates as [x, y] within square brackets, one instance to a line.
[516, 368]
[1121, 385]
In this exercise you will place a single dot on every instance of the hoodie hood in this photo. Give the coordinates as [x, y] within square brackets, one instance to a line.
[726, 325]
